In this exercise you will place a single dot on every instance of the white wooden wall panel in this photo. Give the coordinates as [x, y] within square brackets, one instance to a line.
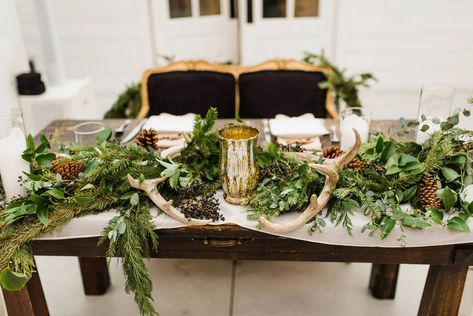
[404, 43]
[108, 39]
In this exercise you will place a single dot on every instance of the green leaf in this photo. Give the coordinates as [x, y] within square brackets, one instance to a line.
[413, 165]
[409, 193]
[134, 199]
[33, 177]
[424, 128]
[458, 159]
[42, 213]
[388, 151]
[387, 226]
[470, 208]
[82, 200]
[91, 165]
[28, 155]
[88, 186]
[30, 142]
[414, 222]
[466, 112]
[448, 197]
[449, 174]
[237, 117]
[12, 281]
[54, 192]
[379, 144]
[127, 196]
[403, 122]
[45, 160]
[121, 228]
[104, 135]
[437, 215]
[458, 224]
[393, 170]
[404, 159]
[44, 140]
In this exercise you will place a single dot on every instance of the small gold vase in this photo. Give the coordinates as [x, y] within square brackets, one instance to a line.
[238, 165]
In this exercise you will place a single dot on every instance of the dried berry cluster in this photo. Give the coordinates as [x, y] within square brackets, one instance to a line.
[198, 201]
[335, 151]
[296, 147]
[68, 170]
[427, 193]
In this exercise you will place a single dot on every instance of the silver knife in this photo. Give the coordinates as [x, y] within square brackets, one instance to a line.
[133, 132]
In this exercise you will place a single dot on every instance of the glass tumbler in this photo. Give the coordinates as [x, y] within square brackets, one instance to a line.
[86, 133]
[12, 145]
[435, 106]
[354, 118]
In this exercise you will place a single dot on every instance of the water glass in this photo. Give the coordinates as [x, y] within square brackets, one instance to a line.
[435, 106]
[86, 133]
[354, 118]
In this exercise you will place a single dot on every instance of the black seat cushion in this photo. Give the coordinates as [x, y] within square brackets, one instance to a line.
[267, 93]
[181, 92]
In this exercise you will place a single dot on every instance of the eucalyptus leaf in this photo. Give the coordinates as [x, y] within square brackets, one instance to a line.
[449, 174]
[458, 224]
[104, 135]
[12, 281]
[415, 222]
[134, 199]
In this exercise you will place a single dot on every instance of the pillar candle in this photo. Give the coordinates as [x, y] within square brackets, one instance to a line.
[348, 136]
[12, 165]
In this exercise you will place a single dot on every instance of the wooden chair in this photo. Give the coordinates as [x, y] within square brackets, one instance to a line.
[189, 86]
[288, 87]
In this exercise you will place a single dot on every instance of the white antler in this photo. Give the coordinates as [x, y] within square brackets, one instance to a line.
[329, 168]
[150, 188]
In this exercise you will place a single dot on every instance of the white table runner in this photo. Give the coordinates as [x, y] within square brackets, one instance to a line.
[92, 225]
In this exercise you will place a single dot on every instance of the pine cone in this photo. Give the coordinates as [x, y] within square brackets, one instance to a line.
[67, 170]
[427, 193]
[148, 138]
[332, 152]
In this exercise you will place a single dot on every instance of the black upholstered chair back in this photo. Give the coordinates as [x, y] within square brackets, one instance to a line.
[283, 87]
[186, 87]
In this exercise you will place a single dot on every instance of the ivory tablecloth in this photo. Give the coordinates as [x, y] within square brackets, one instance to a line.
[92, 225]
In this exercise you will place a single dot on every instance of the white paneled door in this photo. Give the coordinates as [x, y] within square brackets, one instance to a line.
[195, 29]
[285, 28]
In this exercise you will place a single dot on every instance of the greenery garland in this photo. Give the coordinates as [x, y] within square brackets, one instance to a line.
[392, 173]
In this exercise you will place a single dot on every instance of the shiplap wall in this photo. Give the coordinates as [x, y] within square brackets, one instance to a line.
[404, 43]
[108, 39]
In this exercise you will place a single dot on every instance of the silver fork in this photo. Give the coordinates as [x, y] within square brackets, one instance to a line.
[118, 132]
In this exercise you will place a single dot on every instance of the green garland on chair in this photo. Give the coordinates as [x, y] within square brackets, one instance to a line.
[392, 175]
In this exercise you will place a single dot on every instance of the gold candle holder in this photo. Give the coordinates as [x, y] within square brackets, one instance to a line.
[238, 166]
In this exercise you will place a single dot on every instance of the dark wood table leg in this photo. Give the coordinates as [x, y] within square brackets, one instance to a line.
[443, 290]
[383, 280]
[95, 276]
[29, 301]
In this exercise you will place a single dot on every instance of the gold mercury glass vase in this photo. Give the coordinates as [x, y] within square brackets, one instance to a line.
[238, 165]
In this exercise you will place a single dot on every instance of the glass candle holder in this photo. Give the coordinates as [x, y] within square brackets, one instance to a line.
[12, 145]
[354, 118]
[86, 133]
[435, 106]
[238, 166]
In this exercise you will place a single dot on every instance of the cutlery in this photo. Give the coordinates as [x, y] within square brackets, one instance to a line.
[118, 132]
[133, 132]
[266, 131]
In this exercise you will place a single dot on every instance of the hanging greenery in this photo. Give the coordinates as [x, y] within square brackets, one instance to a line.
[345, 88]
[128, 104]
[400, 184]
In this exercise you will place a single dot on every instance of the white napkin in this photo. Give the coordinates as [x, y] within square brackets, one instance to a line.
[168, 123]
[302, 126]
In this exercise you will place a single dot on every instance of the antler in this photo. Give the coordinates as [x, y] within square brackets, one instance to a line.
[317, 203]
[149, 187]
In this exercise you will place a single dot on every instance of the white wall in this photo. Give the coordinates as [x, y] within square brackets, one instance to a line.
[404, 43]
[12, 55]
[108, 39]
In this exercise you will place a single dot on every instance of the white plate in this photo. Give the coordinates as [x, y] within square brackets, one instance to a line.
[297, 127]
[168, 123]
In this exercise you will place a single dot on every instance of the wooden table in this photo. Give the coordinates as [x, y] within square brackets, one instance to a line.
[442, 292]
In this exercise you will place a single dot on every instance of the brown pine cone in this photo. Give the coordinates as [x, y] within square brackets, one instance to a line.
[148, 138]
[332, 152]
[427, 193]
[67, 170]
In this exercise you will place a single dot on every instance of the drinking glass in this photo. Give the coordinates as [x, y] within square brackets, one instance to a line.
[238, 166]
[354, 118]
[12, 145]
[435, 106]
[86, 133]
